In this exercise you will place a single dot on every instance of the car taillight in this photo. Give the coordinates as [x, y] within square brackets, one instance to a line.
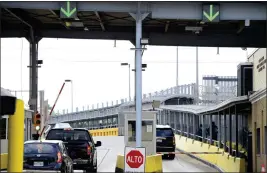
[173, 140]
[59, 157]
[89, 149]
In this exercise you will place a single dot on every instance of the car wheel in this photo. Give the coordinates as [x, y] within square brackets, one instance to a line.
[171, 156]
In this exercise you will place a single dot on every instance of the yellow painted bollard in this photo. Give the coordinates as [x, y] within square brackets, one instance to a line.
[16, 139]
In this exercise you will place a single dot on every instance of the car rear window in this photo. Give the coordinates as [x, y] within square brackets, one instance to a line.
[68, 135]
[164, 132]
[40, 148]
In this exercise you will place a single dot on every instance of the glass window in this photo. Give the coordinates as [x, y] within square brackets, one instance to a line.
[68, 135]
[258, 141]
[3, 128]
[41, 148]
[147, 130]
[161, 132]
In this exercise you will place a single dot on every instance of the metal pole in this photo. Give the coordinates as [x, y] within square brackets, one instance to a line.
[129, 65]
[197, 85]
[71, 96]
[177, 67]
[16, 139]
[138, 78]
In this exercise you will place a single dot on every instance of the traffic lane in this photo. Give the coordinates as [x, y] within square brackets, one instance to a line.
[185, 163]
[107, 153]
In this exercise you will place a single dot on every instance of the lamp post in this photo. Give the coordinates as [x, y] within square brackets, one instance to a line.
[129, 66]
[68, 80]
[144, 66]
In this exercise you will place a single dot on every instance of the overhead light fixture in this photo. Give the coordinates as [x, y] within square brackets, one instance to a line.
[193, 28]
[144, 41]
[247, 22]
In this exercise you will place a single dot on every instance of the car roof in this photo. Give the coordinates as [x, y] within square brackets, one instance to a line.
[158, 126]
[70, 128]
[43, 141]
[62, 125]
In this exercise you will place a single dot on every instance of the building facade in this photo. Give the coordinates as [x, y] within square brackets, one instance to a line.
[258, 125]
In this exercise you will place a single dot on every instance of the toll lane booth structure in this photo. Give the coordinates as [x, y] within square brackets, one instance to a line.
[148, 130]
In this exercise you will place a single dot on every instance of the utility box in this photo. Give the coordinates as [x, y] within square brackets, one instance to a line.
[148, 130]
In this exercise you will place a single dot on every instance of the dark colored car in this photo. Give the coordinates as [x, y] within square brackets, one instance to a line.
[80, 146]
[165, 140]
[47, 156]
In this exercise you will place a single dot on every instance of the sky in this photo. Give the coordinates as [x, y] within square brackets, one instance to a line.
[95, 68]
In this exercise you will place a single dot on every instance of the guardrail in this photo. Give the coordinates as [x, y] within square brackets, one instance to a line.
[207, 95]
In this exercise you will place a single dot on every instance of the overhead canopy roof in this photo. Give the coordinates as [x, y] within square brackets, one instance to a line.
[165, 24]
[198, 109]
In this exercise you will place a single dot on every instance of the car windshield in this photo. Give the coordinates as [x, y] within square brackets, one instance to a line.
[40, 148]
[164, 132]
[68, 135]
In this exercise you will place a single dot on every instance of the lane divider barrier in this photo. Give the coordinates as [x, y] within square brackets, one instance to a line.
[189, 152]
[105, 132]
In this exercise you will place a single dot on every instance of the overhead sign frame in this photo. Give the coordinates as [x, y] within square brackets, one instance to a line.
[134, 159]
[68, 10]
[210, 13]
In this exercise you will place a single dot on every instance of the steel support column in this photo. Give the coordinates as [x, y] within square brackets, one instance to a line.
[224, 131]
[219, 130]
[174, 119]
[236, 133]
[203, 129]
[33, 95]
[230, 131]
[210, 122]
[194, 126]
[187, 123]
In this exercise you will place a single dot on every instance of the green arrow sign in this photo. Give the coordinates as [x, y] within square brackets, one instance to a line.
[212, 14]
[68, 10]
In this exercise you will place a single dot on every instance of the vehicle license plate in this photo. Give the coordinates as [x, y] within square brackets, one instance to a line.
[38, 164]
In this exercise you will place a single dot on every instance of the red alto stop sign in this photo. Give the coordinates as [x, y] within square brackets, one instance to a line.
[134, 159]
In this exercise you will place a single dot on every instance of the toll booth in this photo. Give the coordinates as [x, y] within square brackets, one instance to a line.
[148, 130]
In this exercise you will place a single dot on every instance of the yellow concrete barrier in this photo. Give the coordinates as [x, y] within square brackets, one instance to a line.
[153, 164]
[105, 132]
[3, 160]
[223, 161]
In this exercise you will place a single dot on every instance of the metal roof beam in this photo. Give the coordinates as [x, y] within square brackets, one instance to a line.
[100, 21]
[24, 18]
[168, 39]
[167, 26]
[160, 10]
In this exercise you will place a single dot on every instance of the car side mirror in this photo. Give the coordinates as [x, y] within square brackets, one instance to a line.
[98, 144]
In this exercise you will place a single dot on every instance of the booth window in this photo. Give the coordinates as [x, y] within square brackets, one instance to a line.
[147, 131]
[258, 141]
[3, 128]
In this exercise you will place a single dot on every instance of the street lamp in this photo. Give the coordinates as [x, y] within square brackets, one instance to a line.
[129, 66]
[68, 80]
